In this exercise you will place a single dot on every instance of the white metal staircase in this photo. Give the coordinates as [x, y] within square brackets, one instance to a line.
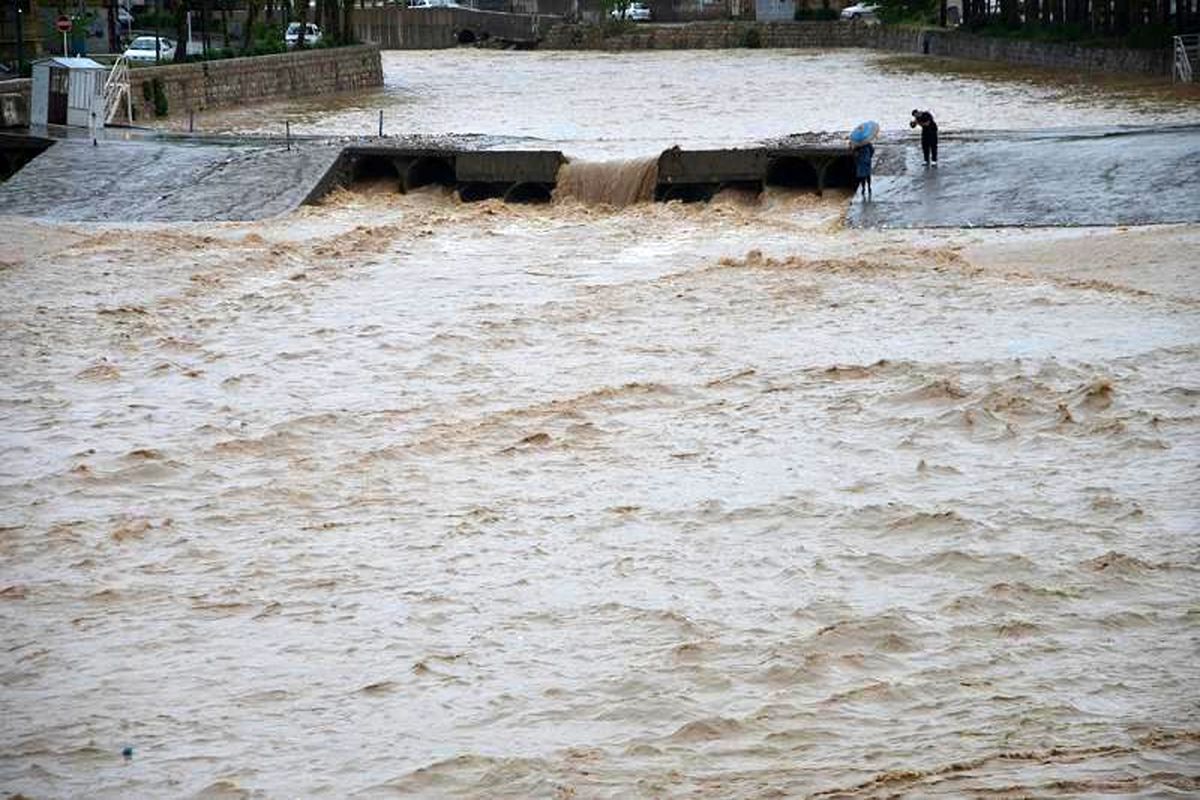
[1187, 55]
[116, 88]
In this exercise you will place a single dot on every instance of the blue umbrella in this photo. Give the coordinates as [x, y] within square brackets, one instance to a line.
[864, 133]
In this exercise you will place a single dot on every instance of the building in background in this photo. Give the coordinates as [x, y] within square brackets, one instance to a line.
[31, 32]
[67, 91]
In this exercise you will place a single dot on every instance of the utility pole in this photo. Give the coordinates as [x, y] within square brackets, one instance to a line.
[20, 40]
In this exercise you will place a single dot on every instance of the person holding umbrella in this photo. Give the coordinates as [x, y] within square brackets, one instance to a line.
[860, 143]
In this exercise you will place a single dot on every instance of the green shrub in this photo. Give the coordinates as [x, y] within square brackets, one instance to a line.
[160, 98]
[616, 27]
[752, 38]
[910, 12]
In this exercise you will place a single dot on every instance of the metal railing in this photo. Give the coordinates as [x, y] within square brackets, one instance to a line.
[116, 88]
[1187, 52]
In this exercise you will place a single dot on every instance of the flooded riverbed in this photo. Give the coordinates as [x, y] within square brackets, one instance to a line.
[397, 496]
[617, 105]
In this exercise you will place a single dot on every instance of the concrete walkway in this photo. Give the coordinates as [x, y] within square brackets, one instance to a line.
[1114, 177]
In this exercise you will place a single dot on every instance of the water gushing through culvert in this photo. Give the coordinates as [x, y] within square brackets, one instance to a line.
[616, 183]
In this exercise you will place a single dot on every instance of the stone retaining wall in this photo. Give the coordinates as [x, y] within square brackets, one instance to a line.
[396, 27]
[955, 44]
[928, 41]
[235, 81]
[713, 35]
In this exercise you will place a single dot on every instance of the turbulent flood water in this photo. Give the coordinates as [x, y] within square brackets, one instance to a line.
[397, 496]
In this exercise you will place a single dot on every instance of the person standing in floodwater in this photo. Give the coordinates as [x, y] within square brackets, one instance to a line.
[929, 135]
[863, 154]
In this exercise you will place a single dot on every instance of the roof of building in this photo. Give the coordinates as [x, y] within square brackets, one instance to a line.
[71, 63]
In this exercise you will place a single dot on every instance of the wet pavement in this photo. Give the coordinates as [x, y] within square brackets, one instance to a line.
[1083, 177]
[166, 180]
[1110, 176]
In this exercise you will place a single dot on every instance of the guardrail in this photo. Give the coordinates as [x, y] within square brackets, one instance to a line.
[1187, 51]
[116, 88]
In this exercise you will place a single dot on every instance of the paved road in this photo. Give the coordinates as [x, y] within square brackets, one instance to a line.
[1115, 177]
[165, 180]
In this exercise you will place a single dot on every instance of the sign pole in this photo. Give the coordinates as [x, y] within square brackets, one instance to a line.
[63, 23]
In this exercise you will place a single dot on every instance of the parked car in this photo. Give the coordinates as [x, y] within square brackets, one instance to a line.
[291, 37]
[142, 51]
[860, 11]
[638, 12]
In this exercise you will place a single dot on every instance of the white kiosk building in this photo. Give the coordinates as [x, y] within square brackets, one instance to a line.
[66, 91]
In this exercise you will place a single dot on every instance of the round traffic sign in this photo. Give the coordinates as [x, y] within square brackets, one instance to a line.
[63, 23]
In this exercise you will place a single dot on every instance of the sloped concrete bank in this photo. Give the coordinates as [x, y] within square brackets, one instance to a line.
[897, 38]
[235, 81]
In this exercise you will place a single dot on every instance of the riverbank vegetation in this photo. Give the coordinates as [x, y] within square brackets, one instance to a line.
[262, 28]
[1120, 23]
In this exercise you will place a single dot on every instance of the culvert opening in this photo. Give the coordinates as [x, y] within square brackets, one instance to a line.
[687, 192]
[791, 172]
[466, 37]
[428, 171]
[841, 173]
[374, 173]
[748, 188]
[474, 192]
[528, 193]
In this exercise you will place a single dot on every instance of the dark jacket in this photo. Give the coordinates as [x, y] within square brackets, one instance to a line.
[862, 160]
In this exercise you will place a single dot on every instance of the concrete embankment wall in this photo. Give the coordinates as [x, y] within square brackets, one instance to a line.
[955, 44]
[927, 41]
[396, 27]
[14, 103]
[235, 81]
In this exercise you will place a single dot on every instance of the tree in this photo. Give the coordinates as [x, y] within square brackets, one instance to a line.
[182, 7]
[252, 7]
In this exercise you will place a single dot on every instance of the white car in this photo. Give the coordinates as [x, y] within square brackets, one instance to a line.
[860, 11]
[638, 12]
[291, 37]
[141, 50]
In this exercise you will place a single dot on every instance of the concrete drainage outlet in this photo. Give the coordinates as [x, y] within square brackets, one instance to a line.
[474, 192]
[428, 171]
[375, 169]
[840, 173]
[687, 192]
[792, 172]
[528, 193]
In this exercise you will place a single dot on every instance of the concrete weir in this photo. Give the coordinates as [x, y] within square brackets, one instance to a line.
[531, 176]
[521, 176]
[1103, 176]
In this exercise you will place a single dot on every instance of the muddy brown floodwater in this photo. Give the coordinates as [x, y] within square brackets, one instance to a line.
[396, 496]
